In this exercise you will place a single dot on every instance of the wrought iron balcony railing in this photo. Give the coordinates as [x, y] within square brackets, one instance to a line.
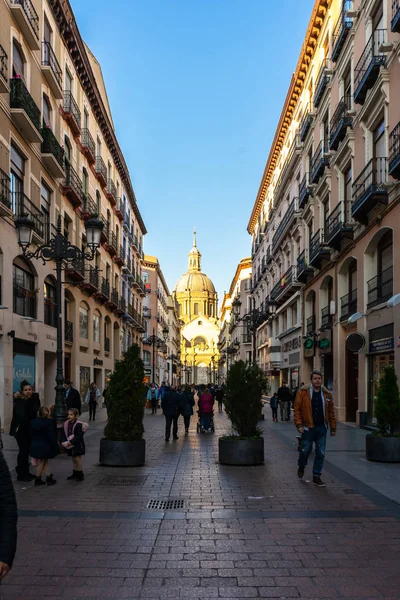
[311, 325]
[72, 181]
[318, 248]
[49, 59]
[50, 145]
[394, 152]
[305, 125]
[368, 66]
[111, 188]
[321, 83]
[339, 123]
[369, 188]
[304, 191]
[319, 161]
[22, 206]
[105, 287]
[70, 107]
[5, 189]
[30, 14]
[21, 98]
[88, 144]
[337, 226]
[89, 207]
[340, 32]
[285, 223]
[348, 305]
[101, 170]
[380, 288]
[326, 317]
[3, 64]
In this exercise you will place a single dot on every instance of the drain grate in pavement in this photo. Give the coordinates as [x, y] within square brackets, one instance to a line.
[122, 480]
[165, 504]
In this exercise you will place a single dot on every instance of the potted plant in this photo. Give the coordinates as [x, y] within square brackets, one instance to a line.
[384, 445]
[244, 388]
[123, 444]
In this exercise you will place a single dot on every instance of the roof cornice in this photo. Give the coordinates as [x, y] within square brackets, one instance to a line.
[296, 86]
[69, 31]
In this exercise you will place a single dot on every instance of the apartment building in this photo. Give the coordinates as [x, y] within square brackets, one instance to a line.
[325, 220]
[224, 339]
[173, 342]
[156, 314]
[59, 157]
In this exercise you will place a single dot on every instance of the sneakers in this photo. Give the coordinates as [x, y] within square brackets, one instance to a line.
[318, 481]
[300, 472]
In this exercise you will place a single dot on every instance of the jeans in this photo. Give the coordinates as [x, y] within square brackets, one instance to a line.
[92, 411]
[220, 406]
[168, 422]
[205, 421]
[274, 413]
[186, 419]
[153, 406]
[284, 409]
[318, 436]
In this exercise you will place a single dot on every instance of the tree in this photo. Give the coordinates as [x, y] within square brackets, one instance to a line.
[244, 387]
[127, 398]
[387, 407]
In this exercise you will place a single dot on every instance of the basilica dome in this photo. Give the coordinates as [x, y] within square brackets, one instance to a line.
[194, 282]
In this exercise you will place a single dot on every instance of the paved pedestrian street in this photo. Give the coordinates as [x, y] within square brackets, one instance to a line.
[230, 532]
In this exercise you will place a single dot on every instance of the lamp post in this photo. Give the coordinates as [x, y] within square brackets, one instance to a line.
[61, 251]
[254, 318]
[155, 341]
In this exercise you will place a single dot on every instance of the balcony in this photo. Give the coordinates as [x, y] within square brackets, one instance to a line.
[285, 224]
[395, 22]
[111, 191]
[305, 125]
[69, 332]
[88, 208]
[88, 146]
[289, 162]
[337, 228]
[52, 154]
[121, 309]
[4, 89]
[305, 191]
[326, 318]
[394, 152]
[120, 256]
[5, 198]
[319, 250]
[348, 305]
[321, 83]
[75, 270]
[288, 285]
[340, 32]
[72, 186]
[92, 280]
[27, 19]
[246, 338]
[311, 325]
[101, 171]
[105, 232]
[24, 112]
[126, 224]
[22, 206]
[71, 113]
[380, 288]
[268, 256]
[138, 283]
[113, 299]
[303, 271]
[369, 189]
[339, 123]
[104, 290]
[51, 70]
[112, 245]
[119, 209]
[367, 70]
[319, 161]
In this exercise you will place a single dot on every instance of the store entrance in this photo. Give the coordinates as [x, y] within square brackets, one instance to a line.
[351, 386]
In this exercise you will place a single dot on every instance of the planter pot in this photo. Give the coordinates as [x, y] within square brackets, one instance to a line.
[382, 449]
[122, 454]
[241, 452]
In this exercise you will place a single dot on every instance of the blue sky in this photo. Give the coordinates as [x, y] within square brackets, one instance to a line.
[196, 88]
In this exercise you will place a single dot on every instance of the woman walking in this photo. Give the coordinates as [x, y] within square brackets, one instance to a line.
[205, 404]
[91, 398]
[26, 406]
[74, 443]
[187, 403]
[44, 445]
[274, 406]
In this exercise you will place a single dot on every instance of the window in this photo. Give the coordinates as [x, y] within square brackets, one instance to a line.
[85, 119]
[96, 328]
[347, 176]
[379, 140]
[84, 322]
[50, 307]
[98, 147]
[18, 67]
[46, 111]
[45, 201]
[68, 81]
[17, 172]
[24, 294]
[294, 314]
[196, 308]
[98, 202]
[325, 209]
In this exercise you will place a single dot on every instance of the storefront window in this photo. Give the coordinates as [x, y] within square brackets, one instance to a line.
[377, 366]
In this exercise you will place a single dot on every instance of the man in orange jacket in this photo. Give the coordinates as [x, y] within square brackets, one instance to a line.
[314, 412]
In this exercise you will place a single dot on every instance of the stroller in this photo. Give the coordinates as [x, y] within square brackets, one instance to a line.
[199, 428]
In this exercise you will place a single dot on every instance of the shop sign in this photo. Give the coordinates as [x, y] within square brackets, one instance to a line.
[308, 345]
[24, 368]
[381, 346]
[325, 342]
[147, 371]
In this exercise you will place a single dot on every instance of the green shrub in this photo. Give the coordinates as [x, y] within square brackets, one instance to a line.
[244, 387]
[387, 407]
[126, 399]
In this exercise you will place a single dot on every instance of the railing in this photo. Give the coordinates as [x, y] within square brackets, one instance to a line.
[105, 287]
[106, 344]
[348, 305]
[88, 141]
[22, 205]
[30, 14]
[21, 98]
[50, 312]
[70, 106]
[316, 243]
[3, 64]
[371, 52]
[302, 263]
[336, 221]
[114, 296]
[72, 180]
[122, 304]
[380, 288]
[285, 223]
[119, 206]
[101, 168]
[121, 253]
[93, 277]
[373, 175]
[340, 118]
[88, 205]
[321, 83]
[275, 291]
[24, 301]
[50, 145]
[112, 241]
[318, 161]
[69, 331]
[326, 317]
[340, 31]
[394, 147]
[304, 191]
[77, 265]
[305, 125]
[111, 188]
[49, 59]
[5, 189]
[106, 226]
[310, 325]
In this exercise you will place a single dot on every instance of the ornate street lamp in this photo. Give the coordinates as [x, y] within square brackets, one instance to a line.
[61, 251]
[156, 342]
[254, 318]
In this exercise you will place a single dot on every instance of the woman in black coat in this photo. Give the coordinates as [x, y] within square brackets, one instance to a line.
[74, 443]
[26, 406]
[8, 519]
[43, 444]
[187, 403]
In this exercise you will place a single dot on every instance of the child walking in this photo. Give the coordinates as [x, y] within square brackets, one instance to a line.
[44, 445]
[74, 443]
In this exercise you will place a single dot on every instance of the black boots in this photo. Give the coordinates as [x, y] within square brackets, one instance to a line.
[39, 481]
[76, 475]
[73, 476]
[50, 480]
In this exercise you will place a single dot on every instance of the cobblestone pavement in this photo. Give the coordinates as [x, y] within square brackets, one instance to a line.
[234, 532]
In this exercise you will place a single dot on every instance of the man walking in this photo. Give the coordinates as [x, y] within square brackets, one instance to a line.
[171, 404]
[72, 396]
[314, 411]
[284, 397]
[153, 395]
[219, 396]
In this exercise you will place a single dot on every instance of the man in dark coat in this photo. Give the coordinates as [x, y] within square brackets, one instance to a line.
[8, 519]
[25, 408]
[171, 404]
[284, 397]
[72, 396]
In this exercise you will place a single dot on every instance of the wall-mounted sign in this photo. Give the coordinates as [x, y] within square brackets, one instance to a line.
[325, 342]
[355, 342]
[308, 346]
[24, 368]
[381, 346]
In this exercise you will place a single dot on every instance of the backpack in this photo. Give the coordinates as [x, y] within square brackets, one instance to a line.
[153, 394]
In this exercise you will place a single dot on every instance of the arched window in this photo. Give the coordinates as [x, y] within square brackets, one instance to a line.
[96, 327]
[18, 67]
[24, 292]
[196, 308]
[50, 307]
[84, 321]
